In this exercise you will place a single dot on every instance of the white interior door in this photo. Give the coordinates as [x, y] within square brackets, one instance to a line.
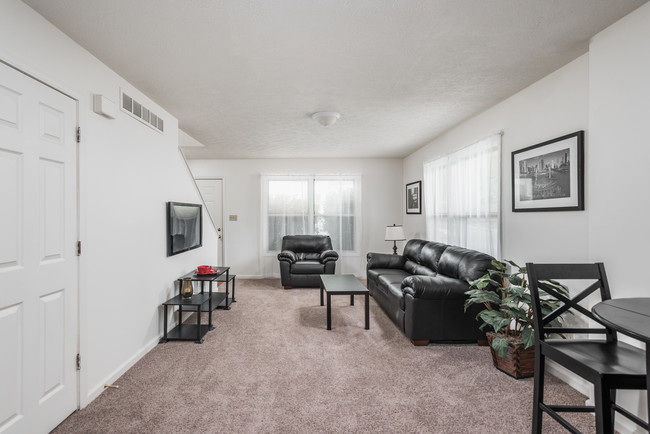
[38, 262]
[212, 193]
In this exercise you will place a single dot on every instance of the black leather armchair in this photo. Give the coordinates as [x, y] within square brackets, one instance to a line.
[303, 258]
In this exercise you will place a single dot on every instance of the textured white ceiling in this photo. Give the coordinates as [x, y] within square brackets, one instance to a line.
[244, 77]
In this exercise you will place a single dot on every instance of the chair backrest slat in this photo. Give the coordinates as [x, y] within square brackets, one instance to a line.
[567, 271]
[539, 276]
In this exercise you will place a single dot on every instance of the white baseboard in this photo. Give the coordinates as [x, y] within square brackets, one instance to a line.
[95, 391]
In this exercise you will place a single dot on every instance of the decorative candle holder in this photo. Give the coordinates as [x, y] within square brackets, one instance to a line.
[187, 289]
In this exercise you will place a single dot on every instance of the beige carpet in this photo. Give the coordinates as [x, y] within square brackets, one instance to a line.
[272, 367]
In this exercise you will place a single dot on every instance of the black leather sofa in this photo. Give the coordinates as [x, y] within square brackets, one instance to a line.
[423, 290]
[303, 258]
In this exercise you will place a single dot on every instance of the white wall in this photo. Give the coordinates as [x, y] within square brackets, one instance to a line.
[381, 192]
[619, 110]
[606, 93]
[127, 173]
[552, 107]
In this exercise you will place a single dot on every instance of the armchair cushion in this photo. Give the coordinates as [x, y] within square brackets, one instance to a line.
[308, 267]
[288, 256]
[327, 256]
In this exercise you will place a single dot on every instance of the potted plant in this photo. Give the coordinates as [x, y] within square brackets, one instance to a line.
[508, 312]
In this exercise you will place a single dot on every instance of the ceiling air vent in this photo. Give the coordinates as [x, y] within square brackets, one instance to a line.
[141, 113]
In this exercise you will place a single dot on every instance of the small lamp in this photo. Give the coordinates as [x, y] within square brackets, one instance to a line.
[394, 233]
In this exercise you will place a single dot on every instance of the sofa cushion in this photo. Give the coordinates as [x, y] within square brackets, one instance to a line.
[374, 273]
[464, 264]
[413, 268]
[430, 255]
[308, 267]
[412, 250]
[392, 286]
[435, 287]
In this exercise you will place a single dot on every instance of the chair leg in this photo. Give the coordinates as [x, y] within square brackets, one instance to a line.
[538, 392]
[612, 401]
[604, 419]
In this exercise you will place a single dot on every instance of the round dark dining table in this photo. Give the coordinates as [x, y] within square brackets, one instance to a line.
[630, 316]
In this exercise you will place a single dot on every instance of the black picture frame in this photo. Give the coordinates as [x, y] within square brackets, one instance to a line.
[549, 176]
[414, 198]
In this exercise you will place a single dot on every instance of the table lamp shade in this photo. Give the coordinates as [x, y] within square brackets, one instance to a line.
[394, 233]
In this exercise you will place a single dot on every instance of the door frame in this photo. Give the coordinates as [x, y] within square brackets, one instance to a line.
[82, 106]
[223, 220]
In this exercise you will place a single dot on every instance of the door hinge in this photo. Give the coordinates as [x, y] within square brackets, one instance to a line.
[78, 248]
[78, 134]
[78, 362]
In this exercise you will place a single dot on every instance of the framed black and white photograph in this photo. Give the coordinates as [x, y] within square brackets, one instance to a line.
[549, 176]
[414, 198]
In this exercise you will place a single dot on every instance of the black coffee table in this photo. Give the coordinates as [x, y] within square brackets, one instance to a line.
[342, 284]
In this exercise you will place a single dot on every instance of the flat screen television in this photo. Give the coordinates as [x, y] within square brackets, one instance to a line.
[184, 227]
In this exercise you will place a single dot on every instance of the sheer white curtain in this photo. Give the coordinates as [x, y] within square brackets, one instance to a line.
[287, 209]
[337, 208]
[462, 197]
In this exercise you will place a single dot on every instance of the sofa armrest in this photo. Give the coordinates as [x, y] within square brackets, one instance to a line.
[435, 287]
[385, 260]
[287, 256]
[328, 256]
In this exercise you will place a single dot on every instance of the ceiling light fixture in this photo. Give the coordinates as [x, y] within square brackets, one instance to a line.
[326, 118]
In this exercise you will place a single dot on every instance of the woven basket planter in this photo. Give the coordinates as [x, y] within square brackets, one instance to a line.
[518, 362]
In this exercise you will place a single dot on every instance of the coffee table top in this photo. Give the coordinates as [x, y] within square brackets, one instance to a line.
[342, 284]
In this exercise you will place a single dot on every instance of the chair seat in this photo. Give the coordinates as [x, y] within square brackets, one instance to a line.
[308, 267]
[600, 358]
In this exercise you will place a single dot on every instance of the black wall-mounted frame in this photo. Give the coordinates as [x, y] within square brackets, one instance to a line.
[549, 176]
[414, 198]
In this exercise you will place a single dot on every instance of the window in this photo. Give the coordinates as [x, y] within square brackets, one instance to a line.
[322, 204]
[462, 197]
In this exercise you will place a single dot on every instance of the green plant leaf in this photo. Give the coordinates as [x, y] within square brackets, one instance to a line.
[528, 336]
[478, 296]
[500, 346]
[494, 319]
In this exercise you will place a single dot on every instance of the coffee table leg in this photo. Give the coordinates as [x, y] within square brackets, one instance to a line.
[321, 293]
[351, 299]
[367, 312]
[329, 311]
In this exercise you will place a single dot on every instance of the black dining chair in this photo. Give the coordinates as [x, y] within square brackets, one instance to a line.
[607, 363]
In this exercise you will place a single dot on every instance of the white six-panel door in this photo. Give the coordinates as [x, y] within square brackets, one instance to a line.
[38, 262]
[212, 191]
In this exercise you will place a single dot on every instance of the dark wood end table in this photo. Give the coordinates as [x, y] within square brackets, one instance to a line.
[343, 284]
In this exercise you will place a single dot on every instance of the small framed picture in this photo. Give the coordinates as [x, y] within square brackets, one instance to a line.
[549, 176]
[414, 198]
